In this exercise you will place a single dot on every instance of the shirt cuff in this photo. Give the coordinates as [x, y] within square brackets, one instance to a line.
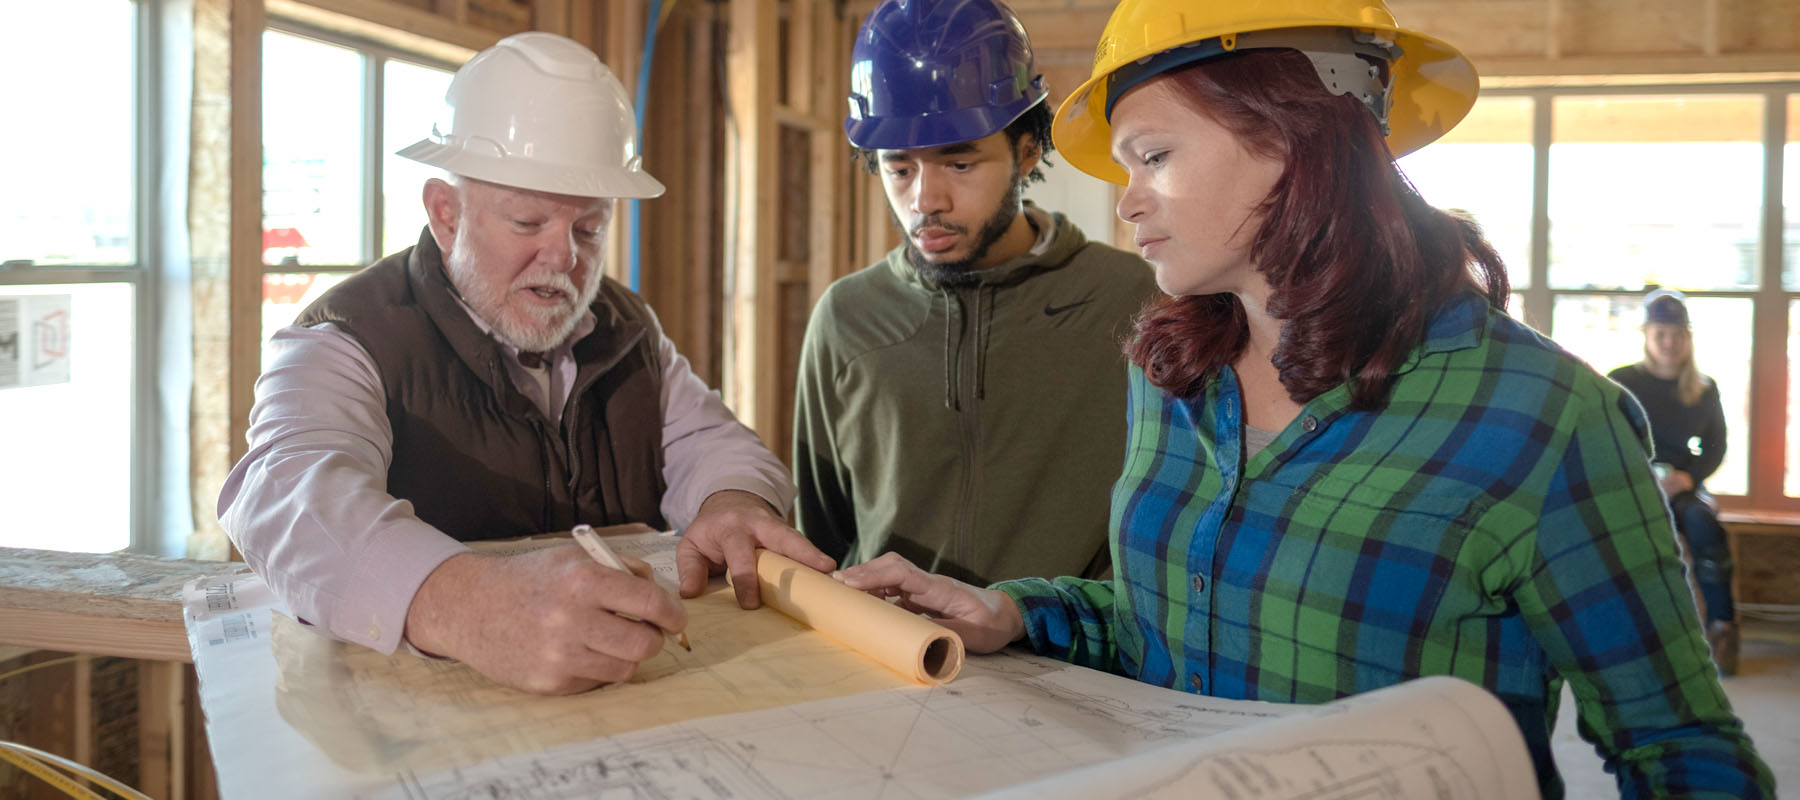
[372, 610]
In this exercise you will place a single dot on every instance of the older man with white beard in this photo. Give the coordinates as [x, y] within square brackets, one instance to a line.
[491, 382]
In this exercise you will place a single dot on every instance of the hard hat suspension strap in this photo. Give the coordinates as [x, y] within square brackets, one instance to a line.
[1347, 61]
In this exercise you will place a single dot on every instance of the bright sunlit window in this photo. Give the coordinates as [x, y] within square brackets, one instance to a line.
[68, 196]
[325, 180]
[70, 275]
[1483, 167]
[1790, 276]
[1656, 191]
[312, 152]
[1645, 188]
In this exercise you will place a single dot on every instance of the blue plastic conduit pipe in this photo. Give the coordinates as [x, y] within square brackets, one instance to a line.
[651, 24]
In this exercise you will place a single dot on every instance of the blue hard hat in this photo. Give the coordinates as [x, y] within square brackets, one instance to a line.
[927, 73]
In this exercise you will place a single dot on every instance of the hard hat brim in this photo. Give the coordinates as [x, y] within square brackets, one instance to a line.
[933, 130]
[538, 176]
[1434, 88]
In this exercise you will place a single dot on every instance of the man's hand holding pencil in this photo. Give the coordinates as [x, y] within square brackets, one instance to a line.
[548, 621]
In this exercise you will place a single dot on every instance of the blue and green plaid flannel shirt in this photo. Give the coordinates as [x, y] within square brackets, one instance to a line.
[1498, 521]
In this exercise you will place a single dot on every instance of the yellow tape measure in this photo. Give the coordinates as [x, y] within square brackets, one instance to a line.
[49, 775]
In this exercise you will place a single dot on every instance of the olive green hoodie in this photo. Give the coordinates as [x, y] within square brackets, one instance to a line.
[975, 430]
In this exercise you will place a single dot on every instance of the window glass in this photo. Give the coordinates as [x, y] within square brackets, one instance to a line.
[412, 101]
[286, 294]
[66, 148]
[1790, 200]
[1792, 482]
[312, 152]
[1483, 167]
[1607, 331]
[1663, 190]
[65, 476]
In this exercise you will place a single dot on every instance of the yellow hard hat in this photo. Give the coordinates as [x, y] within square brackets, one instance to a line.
[1432, 85]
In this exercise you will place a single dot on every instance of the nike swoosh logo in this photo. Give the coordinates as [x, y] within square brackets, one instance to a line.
[1051, 311]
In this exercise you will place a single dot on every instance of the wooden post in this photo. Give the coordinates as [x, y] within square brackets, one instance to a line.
[455, 10]
[829, 151]
[1769, 358]
[550, 15]
[162, 732]
[619, 43]
[700, 271]
[750, 385]
[1553, 29]
[246, 271]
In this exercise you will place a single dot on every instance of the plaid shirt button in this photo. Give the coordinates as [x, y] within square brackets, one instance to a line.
[1199, 582]
[1311, 423]
[1195, 682]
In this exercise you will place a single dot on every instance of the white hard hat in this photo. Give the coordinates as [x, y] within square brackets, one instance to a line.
[539, 111]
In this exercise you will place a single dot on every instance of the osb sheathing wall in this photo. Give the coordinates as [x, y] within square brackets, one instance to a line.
[209, 231]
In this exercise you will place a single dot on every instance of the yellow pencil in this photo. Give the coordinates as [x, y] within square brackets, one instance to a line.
[596, 547]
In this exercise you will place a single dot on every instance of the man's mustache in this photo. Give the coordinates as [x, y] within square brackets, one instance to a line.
[935, 222]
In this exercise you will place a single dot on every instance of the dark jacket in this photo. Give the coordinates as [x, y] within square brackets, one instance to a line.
[1675, 429]
[474, 456]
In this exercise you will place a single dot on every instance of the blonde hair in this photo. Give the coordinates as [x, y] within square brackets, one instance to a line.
[1689, 383]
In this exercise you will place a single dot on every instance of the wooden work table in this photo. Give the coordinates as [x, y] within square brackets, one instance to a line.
[114, 604]
[134, 719]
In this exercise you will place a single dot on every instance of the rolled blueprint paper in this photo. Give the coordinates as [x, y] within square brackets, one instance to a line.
[899, 639]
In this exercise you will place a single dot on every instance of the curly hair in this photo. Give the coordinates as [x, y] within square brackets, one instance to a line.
[1355, 259]
[1035, 121]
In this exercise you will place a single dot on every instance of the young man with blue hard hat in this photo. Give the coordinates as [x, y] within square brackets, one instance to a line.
[962, 401]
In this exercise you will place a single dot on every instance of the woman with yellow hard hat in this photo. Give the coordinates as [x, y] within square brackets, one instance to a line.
[1346, 466]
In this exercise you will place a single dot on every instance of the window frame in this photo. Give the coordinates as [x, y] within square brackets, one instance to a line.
[143, 275]
[1767, 437]
[375, 56]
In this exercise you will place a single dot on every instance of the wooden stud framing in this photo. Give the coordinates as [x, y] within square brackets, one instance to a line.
[753, 363]
[550, 15]
[246, 272]
[1769, 360]
[444, 36]
[698, 272]
[162, 733]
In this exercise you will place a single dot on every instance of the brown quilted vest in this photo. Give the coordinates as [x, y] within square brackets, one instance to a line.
[473, 455]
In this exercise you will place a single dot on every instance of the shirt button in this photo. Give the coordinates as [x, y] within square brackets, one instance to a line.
[1310, 423]
[1195, 682]
[1199, 582]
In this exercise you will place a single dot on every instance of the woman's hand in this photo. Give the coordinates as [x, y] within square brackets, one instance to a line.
[987, 620]
[1676, 482]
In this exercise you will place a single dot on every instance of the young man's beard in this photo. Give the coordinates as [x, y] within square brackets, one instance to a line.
[962, 272]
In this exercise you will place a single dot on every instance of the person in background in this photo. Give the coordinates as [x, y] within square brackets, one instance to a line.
[1687, 432]
[490, 382]
[1347, 467]
[962, 402]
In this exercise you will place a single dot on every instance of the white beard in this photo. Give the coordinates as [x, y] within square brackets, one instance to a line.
[530, 328]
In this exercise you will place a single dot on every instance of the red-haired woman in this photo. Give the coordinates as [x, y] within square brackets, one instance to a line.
[1346, 466]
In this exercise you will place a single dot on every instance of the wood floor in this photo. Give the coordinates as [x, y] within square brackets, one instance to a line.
[1765, 693]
